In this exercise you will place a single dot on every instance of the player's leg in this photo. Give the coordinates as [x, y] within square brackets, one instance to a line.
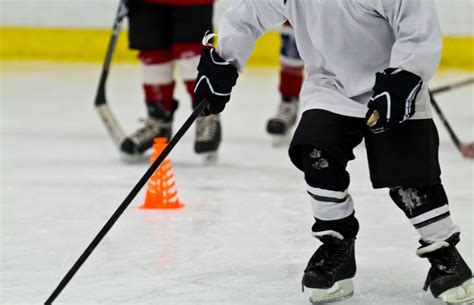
[321, 148]
[291, 80]
[405, 159]
[190, 23]
[150, 33]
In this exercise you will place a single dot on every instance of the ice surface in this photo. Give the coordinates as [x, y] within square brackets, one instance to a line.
[244, 235]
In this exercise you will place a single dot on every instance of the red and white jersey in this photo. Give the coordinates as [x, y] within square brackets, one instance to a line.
[179, 2]
[343, 44]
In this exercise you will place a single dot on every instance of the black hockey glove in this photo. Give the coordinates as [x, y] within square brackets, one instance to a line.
[393, 102]
[215, 80]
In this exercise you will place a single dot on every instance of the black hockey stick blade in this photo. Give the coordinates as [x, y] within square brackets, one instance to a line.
[126, 202]
[452, 86]
[100, 102]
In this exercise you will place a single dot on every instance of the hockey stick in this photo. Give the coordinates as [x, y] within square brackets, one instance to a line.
[467, 150]
[126, 202]
[452, 86]
[113, 127]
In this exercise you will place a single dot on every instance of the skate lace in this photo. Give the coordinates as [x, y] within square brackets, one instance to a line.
[150, 131]
[330, 258]
[442, 263]
[206, 128]
[287, 112]
[444, 260]
[335, 257]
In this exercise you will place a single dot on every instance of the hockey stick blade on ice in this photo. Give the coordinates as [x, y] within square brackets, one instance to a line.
[126, 202]
[102, 107]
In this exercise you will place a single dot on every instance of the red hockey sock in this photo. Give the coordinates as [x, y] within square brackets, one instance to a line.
[291, 80]
[158, 83]
[160, 94]
[190, 84]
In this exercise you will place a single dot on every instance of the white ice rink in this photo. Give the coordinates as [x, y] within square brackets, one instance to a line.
[244, 235]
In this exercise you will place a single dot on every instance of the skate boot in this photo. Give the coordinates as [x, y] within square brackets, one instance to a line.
[331, 268]
[279, 126]
[208, 137]
[449, 277]
[156, 125]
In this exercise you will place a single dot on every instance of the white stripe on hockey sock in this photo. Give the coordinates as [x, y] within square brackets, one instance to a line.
[157, 74]
[439, 230]
[326, 193]
[332, 210]
[188, 67]
[429, 215]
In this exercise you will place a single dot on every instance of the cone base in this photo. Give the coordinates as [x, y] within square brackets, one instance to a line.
[173, 206]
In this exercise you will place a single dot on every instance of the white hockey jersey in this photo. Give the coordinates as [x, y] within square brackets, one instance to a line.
[343, 44]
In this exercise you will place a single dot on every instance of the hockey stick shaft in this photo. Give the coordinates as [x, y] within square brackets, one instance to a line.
[119, 17]
[452, 86]
[100, 101]
[126, 202]
[445, 122]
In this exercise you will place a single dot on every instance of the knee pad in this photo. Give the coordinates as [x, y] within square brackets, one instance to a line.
[323, 170]
[427, 209]
[326, 182]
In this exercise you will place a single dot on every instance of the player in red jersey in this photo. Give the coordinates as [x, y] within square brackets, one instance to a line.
[167, 34]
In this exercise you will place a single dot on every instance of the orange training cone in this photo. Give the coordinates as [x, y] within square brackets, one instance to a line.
[161, 190]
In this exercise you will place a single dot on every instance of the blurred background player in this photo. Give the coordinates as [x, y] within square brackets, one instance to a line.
[291, 80]
[168, 33]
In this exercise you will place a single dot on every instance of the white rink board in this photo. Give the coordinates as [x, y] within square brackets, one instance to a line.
[244, 235]
[456, 15]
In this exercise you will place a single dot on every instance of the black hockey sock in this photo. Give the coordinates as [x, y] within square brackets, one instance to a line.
[289, 99]
[156, 111]
[348, 227]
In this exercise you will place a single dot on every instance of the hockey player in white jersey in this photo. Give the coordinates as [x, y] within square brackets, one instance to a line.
[367, 65]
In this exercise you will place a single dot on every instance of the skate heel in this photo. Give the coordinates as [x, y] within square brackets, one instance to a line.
[461, 295]
[339, 291]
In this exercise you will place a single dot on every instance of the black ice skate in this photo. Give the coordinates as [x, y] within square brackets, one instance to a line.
[331, 268]
[156, 125]
[208, 137]
[449, 277]
[279, 125]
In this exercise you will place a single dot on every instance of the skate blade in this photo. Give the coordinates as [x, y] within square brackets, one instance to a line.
[134, 159]
[209, 158]
[462, 295]
[341, 290]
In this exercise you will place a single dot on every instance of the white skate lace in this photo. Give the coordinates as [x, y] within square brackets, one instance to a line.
[287, 112]
[151, 130]
[206, 128]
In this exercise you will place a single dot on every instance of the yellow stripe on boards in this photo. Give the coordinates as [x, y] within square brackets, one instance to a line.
[61, 44]
[458, 53]
[89, 45]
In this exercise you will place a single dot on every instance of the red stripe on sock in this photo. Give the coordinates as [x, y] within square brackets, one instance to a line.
[186, 50]
[155, 56]
[160, 94]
